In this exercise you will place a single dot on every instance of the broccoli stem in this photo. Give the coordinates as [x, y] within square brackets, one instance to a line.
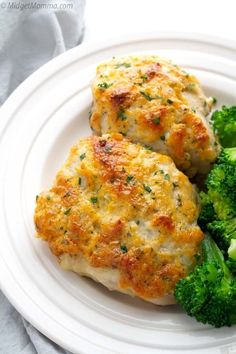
[212, 254]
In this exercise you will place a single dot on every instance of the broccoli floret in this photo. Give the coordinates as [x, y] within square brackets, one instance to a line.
[207, 213]
[223, 232]
[221, 184]
[231, 264]
[232, 249]
[224, 125]
[228, 156]
[209, 292]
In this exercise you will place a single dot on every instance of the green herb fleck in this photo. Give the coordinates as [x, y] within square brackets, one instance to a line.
[94, 200]
[169, 101]
[48, 197]
[108, 148]
[175, 185]
[67, 212]
[167, 177]
[156, 120]
[82, 156]
[163, 137]
[144, 78]
[37, 197]
[121, 115]
[137, 222]
[191, 86]
[126, 65]
[179, 200]
[148, 97]
[104, 85]
[123, 248]
[79, 181]
[129, 178]
[148, 147]
[147, 188]
[90, 114]
[214, 100]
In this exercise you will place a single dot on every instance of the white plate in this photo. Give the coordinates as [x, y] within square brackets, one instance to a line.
[38, 124]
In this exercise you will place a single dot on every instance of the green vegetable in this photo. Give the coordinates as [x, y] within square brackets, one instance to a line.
[167, 177]
[224, 125]
[209, 292]
[67, 212]
[123, 248]
[232, 249]
[224, 231]
[126, 65]
[121, 115]
[104, 85]
[82, 156]
[156, 120]
[221, 186]
[148, 97]
[147, 188]
[129, 178]
[218, 214]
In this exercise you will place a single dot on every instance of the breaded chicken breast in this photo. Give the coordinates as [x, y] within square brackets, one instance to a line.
[157, 104]
[122, 215]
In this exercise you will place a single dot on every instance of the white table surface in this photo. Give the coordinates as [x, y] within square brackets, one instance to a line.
[113, 18]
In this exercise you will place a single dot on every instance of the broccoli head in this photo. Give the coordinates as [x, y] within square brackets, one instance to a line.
[209, 292]
[207, 211]
[224, 125]
[221, 185]
[228, 156]
[224, 232]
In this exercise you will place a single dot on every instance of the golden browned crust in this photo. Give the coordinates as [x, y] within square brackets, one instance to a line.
[123, 207]
[156, 103]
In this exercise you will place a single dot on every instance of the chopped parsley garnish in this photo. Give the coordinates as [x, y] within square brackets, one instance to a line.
[48, 197]
[104, 85]
[137, 222]
[148, 97]
[147, 188]
[156, 120]
[121, 115]
[191, 86]
[79, 181]
[108, 148]
[126, 65]
[179, 200]
[214, 100]
[162, 172]
[90, 114]
[167, 177]
[37, 197]
[144, 78]
[82, 156]
[123, 248]
[67, 212]
[163, 137]
[175, 185]
[169, 101]
[94, 200]
[129, 178]
[148, 147]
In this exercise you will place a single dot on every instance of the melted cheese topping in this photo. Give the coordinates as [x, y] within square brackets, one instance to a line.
[122, 207]
[156, 103]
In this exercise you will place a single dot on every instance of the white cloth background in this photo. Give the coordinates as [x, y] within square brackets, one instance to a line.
[28, 39]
